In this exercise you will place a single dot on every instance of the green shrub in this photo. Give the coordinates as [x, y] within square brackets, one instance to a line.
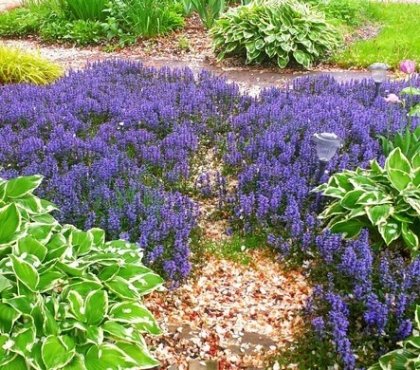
[407, 357]
[68, 299]
[208, 10]
[350, 12]
[18, 22]
[81, 32]
[17, 66]
[385, 200]
[408, 142]
[281, 31]
[94, 21]
[93, 10]
[153, 17]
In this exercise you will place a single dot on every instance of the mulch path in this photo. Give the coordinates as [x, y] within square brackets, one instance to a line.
[239, 315]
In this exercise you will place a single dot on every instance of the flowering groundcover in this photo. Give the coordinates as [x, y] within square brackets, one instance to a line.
[117, 145]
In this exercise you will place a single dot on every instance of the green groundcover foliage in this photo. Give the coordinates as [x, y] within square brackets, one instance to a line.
[280, 31]
[68, 299]
[17, 66]
[406, 358]
[383, 199]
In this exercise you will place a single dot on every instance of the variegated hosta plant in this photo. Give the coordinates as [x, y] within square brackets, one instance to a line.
[68, 299]
[407, 357]
[386, 200]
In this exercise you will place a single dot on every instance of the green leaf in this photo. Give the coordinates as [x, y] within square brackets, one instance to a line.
[10, 221]
[24, 340]
[98, 237]
[96, 307]
[81, 241]
[147, 283]
[398, 169]
[350, 200]
[122, 288]
[390, 231]
[4, 283]
[349, 228]
[8, 316]
[302, 58]
[135, 314]
[77, 363]
[18, 363]
[57, 352]
[410, 238]
[119, 331]
[410, 91]
[379, 214]
[21, 186]
[106, 356]
[77, 306]
[139, 355]
[32, 246]
[25, 272]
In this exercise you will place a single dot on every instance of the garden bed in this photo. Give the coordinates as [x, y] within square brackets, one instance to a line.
[126, 148]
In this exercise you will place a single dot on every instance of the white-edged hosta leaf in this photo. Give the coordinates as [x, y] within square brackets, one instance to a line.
[390, 231]
[81, 241]
[20, 186]
[351, 198]
[398, 169]
[10, 221]
[18, 363]
[146, 283]
[57, 351]
[95, 334]
[409, 236]
[135, 314]
[96, 307]
[122, 288]
[98, 236]
[77, 305]
[77, 363]
[379, 214]
[24, 340]
[32, 246]
[140, 355]
[107, 356]
[349, 228]
[118, 331]
[25, 272]
[4, 283]
[8, 316]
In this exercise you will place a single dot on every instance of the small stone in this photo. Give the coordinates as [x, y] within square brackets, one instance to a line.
[202, 365]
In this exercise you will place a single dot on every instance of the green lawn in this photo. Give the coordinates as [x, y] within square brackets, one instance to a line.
[398, 39]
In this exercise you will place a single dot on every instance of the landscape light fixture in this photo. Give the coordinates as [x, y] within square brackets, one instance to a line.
[378, 73]
[327, 144]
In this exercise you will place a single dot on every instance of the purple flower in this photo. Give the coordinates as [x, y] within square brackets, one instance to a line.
[408, 66]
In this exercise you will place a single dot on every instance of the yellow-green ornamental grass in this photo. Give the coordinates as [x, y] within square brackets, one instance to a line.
[17, 66]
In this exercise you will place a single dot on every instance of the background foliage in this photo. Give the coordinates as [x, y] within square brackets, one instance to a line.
[283, 32]
[17, 66]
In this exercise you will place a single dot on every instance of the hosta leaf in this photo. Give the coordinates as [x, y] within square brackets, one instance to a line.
[107, 356]
[398, 169]
[410, 238]
[32, 246]
[379, 214]
[18, 363]
[351, 198]
[96, 307]
[122, 288]
[349, 228]
[77, 363]
[302, 58]
[81, 241]
[140, 355]
[390, 231]
[48, 279]
[119, 331]
[21, 186]
[24, 340]
[95, 334]
[10, 223]
[25, 272]
[98, 236]
[57, 351]
[147, 283]
[5, 355]
[135, 314]
[22, 304]
[8, 316]
[77, 306]
[4, 283]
